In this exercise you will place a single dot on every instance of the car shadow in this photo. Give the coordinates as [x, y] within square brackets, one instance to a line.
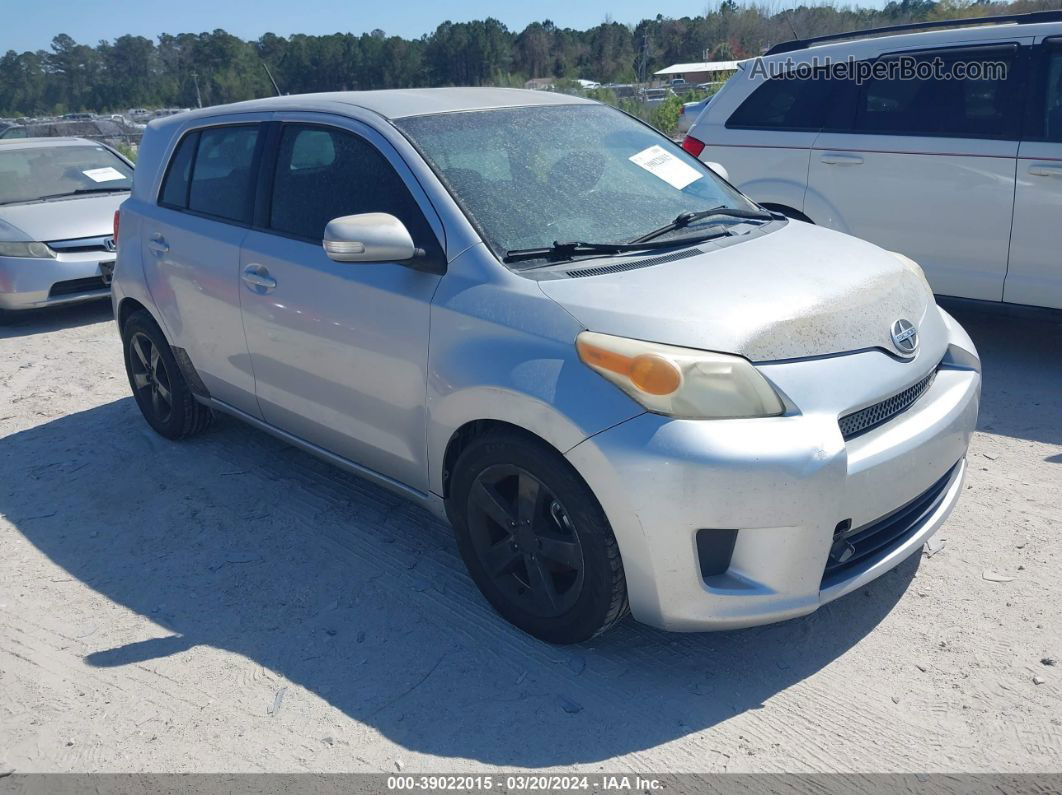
[1021, 357]
[41, 321]
[238, 541]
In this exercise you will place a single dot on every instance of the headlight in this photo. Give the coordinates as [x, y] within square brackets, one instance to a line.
[680, 382]
[39, 250]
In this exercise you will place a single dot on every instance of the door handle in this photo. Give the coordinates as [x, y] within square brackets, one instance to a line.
[1045, 170]
[840, 159]
[158, 244]
[257, 276]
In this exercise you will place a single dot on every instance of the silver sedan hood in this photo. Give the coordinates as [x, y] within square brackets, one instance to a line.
[60, 219]
[795, 292]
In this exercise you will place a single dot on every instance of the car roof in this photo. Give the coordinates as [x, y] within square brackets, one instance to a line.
[44, 142]
[397, 103]
[872, 46]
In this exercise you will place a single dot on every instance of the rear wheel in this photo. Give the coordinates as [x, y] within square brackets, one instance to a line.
[157, 383]
[535, 539]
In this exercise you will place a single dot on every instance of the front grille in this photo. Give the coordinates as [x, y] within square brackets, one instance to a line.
[859, 549]
[75, 286]
[872, 416]
[103, 244]
[619, 267]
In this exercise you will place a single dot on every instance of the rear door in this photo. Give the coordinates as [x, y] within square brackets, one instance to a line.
[340, 349]
[925, 165]
[191, 253]
[1034, 275]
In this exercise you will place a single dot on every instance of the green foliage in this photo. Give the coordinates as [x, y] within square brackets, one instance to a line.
[665, 116]
[216, 67]
[128, 151]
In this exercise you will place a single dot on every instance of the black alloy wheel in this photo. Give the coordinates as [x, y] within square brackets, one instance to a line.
[525, 540]
[151, 379]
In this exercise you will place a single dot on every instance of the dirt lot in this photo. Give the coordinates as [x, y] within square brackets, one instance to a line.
[231, 604]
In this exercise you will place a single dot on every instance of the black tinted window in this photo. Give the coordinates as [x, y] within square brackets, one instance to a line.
[222, 179]
[790, 103]
[323, 174]
[1051, 110]
[968, 94]
[175, 187]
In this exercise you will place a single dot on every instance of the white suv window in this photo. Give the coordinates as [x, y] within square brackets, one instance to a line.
[946, 106]
[1052, 107]
[785, 103]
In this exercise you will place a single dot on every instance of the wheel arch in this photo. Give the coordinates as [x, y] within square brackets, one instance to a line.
[474, 429]
[126, 308]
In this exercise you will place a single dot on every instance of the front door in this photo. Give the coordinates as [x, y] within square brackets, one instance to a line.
[339, 349]
[1035, 272]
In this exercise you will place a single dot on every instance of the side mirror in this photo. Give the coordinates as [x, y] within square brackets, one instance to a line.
[718, 169]
[368, 237]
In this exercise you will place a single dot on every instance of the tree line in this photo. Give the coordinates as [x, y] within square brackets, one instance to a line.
[189, 69]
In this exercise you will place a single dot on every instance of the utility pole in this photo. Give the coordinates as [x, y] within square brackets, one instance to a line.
[643, 58]
[198, 96]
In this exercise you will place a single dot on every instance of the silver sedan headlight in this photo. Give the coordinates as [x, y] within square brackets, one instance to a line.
[28, 249]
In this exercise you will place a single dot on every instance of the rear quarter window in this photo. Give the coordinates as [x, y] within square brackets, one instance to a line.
[174, 191]
[785, 103]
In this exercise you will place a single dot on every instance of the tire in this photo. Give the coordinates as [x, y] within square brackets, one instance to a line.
[535, 539]
[158, 386]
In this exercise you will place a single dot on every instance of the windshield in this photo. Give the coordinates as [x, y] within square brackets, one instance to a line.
[29, 174]
[528, 177]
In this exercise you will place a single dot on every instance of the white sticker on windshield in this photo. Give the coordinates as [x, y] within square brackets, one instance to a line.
[103, 174]
[661, 163]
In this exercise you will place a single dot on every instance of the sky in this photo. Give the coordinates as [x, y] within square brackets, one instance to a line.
[31, 25]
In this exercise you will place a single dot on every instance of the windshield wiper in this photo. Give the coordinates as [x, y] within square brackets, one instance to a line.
[566, 251]
[687, 218]
[81, 191]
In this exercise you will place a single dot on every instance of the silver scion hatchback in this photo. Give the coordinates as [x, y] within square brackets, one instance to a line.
[57, 203]
[623, 382]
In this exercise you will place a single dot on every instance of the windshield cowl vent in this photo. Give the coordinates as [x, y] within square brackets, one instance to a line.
[635, 265]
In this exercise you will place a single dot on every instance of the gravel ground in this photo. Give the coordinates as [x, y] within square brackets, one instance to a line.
[232, 604]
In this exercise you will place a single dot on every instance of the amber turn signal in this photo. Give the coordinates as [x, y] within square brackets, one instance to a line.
[648, 372]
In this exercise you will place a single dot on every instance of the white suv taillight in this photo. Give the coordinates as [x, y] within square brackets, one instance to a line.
[693, 146]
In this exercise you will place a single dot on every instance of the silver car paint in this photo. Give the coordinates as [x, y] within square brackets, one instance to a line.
[500, 347]
[814, 292]
[26, 281]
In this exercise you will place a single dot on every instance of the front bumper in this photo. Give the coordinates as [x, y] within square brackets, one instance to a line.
[30, 283]
[781, 487]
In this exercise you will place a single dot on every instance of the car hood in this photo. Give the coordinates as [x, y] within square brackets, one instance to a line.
[795, 292]
[60, 219]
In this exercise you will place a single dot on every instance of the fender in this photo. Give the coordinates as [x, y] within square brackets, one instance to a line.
[776, 191]
[520, 367]
[824, 212]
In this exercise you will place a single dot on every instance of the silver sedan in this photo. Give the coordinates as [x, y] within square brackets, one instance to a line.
[58, 197]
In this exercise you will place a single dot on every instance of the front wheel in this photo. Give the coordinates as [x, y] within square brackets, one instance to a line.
[157, 383]
[535, 539]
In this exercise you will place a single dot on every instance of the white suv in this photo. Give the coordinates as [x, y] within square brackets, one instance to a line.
[945, 145]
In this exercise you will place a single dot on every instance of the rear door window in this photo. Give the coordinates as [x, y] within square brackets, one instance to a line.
[1046, 120]
[222, 177]
[968, 93]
